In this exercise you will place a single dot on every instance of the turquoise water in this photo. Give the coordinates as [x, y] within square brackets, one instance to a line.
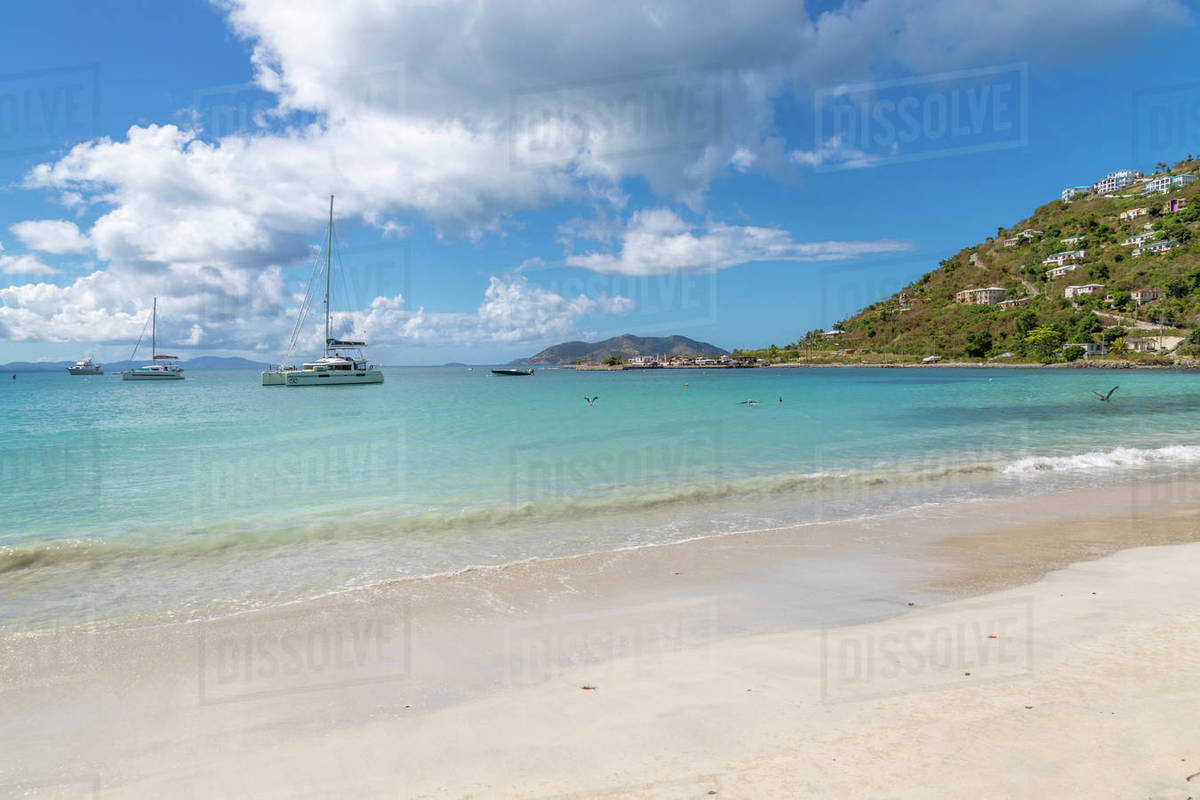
[144, 498]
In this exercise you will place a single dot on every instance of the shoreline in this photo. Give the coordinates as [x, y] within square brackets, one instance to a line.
[493, 657]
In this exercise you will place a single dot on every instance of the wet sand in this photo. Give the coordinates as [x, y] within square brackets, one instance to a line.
[824, 660]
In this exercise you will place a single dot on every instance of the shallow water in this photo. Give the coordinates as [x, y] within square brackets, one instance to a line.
[125, 498]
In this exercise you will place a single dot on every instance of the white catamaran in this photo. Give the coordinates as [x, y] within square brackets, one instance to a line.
[343, 361]
[161, 367]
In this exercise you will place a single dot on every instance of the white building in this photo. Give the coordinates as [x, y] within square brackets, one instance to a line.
[1058, 272]
[1072, 192]
[1087, 288]
[1156, 247]
[1142, 344]
[981, 297]
[1027, 234]
[831, 333]
[1116, 180]
[1139, 239]
[1065, 256]
[1143, 296]
[1089, 348]
[1166, 183]
[1070, 240]
[1133, 213]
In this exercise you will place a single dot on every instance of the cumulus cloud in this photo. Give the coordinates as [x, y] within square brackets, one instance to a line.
[56, 236]
[658, 241]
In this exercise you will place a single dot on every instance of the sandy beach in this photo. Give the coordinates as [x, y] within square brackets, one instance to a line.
[1034, 648]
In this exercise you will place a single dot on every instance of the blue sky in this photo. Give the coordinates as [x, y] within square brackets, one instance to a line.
[510, 177]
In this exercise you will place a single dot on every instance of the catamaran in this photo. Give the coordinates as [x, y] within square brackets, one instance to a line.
[85, 367]
[161, 367]
[343, 361]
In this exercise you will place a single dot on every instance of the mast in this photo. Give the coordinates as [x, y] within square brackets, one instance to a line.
[153, 330]
[328, 270]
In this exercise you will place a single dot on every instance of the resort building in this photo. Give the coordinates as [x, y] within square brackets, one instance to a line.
[1015, 303]
[1142, 344]
[1175, 205]
[1062, 258]
[1116, 180]
[1089, 348]
[981, 297]
[1166, 183]
[1087, 288]
[1072, 240]
[1137, 240]
[1058, 272]
[1133, 213]
[1071, 192]
[1156, 247]
[1143, 296]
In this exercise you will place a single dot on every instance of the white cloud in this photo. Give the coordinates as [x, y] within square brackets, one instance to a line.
[658, 241]
[23, 265]
[56, 236]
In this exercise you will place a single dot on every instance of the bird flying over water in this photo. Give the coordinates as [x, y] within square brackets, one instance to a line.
[1104, 397]
[748, 403]
[591, 400]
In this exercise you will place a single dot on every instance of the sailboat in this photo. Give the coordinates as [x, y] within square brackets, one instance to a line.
[161, 367]
[343, 361]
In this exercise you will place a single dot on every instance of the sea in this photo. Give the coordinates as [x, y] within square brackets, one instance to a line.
[126, 501]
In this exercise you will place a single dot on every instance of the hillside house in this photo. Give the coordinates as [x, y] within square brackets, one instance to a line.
[981, 297]
[1015, 302]
[1071, 192]
[1139, 239]
[1133, 213]
[1058, 272]
[1087, 288]
[1028, 234]
[1116, 180]
[1064, 257]
[1166, 183]
[1156, 247]
[1143, 296]
[1175, 205]
[831, 333]
[1073, 240]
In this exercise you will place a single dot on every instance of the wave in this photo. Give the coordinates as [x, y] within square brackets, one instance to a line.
[1118, 458]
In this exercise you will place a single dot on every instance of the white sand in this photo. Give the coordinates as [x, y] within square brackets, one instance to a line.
[1091, 689]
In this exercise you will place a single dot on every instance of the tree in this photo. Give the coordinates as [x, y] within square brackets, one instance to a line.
[1027, 320]
[1112, 334]
[1043, 342]
[978, 344]
[613, 361]
[1073, 352]
[1122, 299]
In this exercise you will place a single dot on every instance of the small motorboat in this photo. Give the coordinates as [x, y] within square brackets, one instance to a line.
[512, 371]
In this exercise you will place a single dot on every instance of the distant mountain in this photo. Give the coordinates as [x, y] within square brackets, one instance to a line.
[453, 364]
[623, 347]
[200, 362]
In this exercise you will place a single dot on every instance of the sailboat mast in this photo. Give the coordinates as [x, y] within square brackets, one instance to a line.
[153, 330]
[328, 270]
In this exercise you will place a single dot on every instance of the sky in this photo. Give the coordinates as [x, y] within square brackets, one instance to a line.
[508, 176]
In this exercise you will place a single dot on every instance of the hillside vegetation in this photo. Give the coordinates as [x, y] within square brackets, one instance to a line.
[923, 319]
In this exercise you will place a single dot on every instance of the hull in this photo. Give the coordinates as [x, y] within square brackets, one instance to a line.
[513, 372]
[314, 378]
[273, 378]
[162, 376]
[74, 371]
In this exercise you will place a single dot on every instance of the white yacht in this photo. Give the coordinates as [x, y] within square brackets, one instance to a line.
[85, 367]
[161, 367]
[343, 361]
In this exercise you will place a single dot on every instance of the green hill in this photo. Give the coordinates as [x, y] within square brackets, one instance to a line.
[923, 319]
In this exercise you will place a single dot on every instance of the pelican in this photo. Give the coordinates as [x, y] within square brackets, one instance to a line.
[591, 400]
[1104, 397]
